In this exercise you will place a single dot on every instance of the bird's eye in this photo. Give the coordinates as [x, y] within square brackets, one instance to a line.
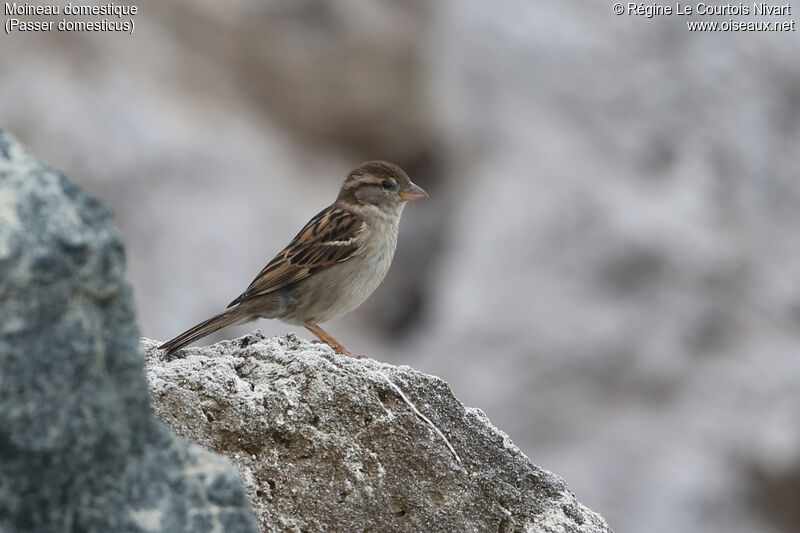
[386, 184]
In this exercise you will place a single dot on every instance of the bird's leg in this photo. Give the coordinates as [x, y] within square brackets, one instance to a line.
[328, 339]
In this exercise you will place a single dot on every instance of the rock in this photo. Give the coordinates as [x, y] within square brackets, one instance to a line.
[326, 443]
[79, 448]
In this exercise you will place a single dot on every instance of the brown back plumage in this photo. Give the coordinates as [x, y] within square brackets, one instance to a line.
[327, 239]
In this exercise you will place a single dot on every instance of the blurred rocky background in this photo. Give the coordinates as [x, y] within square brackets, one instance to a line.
[608, 264]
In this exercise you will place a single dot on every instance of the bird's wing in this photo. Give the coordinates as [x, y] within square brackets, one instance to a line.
[329, 238]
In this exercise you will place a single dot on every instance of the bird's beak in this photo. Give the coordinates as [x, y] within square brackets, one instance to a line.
[412, 192]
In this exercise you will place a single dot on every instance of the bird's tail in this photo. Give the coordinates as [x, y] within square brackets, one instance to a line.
[226, 318]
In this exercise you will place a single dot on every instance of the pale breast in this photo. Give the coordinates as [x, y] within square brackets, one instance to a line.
[341, 288]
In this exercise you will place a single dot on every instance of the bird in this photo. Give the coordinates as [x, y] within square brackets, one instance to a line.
[332, 265]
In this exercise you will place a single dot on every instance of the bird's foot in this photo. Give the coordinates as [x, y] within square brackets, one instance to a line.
[328, 339]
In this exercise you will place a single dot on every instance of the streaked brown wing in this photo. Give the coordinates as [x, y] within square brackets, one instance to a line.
[328, 238]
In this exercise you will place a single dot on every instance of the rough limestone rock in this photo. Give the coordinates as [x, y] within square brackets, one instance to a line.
[326, 443]
[79, 448]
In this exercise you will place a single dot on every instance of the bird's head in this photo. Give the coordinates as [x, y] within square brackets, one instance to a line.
[380, 184]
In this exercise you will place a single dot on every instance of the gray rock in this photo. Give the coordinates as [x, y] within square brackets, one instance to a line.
[79, 448]
[325, 443]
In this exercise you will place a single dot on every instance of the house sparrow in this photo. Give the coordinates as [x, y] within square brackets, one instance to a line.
[333, 264]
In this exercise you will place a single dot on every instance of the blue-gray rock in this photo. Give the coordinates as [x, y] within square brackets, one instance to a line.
[79, 447]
